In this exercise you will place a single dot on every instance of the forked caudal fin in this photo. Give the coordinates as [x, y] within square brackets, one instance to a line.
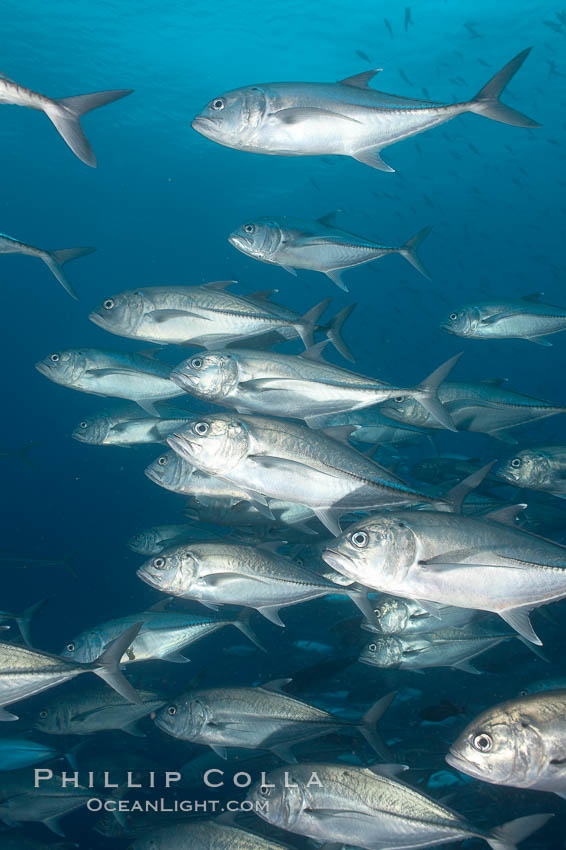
[307, 326]
[66, 113]
[334, 332]
[410, 248]
[55, 260]
[507, 837]
[107, 665]
[427, 393]
[242, 622]
[368, 723]
[487, 102]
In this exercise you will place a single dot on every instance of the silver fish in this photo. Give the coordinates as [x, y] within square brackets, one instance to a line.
[232, 574]
[441, 648]
[206, 315]
[54, 260]
[282, 460]
[111, 373]
[521, 742]
[368, 808]
[65, 113]
[484, 406]
[540, 468]
[396, 615]
[347, 118]
[259, 718]
[526, 318]
[163, 634]
[126, 428]
[25, 672]
[175, 473]
[298, 387]
[45, 804]
[84, 711]
[320, 246]
[152, 541]
[458, 560]
[206, 835]
[375, 428]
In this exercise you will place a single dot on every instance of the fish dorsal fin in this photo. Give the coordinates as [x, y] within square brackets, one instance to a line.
[276, 685]
[219, 284]
[328, 218]
[263, 294]
[314, 352]
[389, 770]
[360, 81]
[507, 515]
[493, 382]
[534, 296]
[457, 494]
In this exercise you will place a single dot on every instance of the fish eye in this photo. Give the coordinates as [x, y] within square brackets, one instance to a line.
[249, 228]
[523, 693]
[162, 460]
[377, 612]
[359, 539]
[43, 713]
[201, 428]
[483, 742]
[372, 647]
[159, 563]
[70, 647]
[83, 424]
[172, 710]
[219, 103]
[399, 399]
[265, 791]
[108, 304]
[54, 357]
[196, 363]
[453, 317]
[516, 462]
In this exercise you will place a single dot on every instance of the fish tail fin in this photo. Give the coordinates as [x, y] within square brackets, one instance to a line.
[107, 665]
[243, 623]
[334, 332]
[456, 495]
[55, 260]
[427, 393]
[410, 248]
[66, 113]
[309, 321]
[507, 837]
[368, 723]
[24, 620]
[487, 102]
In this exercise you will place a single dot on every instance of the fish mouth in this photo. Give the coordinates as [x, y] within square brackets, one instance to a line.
[183, 380]
[43, 368]
[338, 561]
[152, 475]
[147, 578]
[97, 319]
[206, 126]
[449, 329]
[458, 762]
[242, 243]
[183, 446]
[80, 436]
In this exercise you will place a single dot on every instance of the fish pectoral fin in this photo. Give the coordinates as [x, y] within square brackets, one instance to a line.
[113, 370]
[284, 753]
[330, 519]
[449, 559]
[176, 658]
[220, 751]
[54, 825]
[518, 619]
[496, 317]
[371, 156]
[220, 579]
[148, 405]
[466, 667]
[158, 317]
[271, 613]
[300, 114]
[539, 340]
[259, 384]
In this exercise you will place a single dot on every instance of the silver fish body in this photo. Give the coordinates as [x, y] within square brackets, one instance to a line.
[396, 615]
[109, 373]
[126, 428]
[524, 318]
[539, 468]
[520, 742]
[151, 541]
[455, 560]
[206, 835]
[366, 807]
[347, 118]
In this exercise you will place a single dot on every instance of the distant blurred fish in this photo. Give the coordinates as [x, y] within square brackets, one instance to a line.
[442, 711]
[525, 318]
[151, 541]
[54, 260]
[127, 428]
[388, 26]
[363, 56]
[65, 113]
[22, 453]
[408, 17]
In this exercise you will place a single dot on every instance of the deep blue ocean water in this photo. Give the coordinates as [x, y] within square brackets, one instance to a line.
[159, 208]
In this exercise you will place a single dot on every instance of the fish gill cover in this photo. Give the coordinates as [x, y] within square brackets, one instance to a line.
[326, 322]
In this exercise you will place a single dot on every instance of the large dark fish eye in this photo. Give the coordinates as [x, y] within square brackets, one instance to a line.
[201, 428]
[70, 647]
[516, 462]
[372, 647]
[399, 399]
[83, 424]
[483, 742]
[265, 791]
[159, 563]
[249, 228]
[54, 357]
[453, 317]
[359, 539]
[172, 710]
[108, 304]
[43, 713]
[196, 363]
[162, 460]
[219, 103]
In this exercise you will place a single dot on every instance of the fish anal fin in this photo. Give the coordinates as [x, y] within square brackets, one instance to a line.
[371, 156]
